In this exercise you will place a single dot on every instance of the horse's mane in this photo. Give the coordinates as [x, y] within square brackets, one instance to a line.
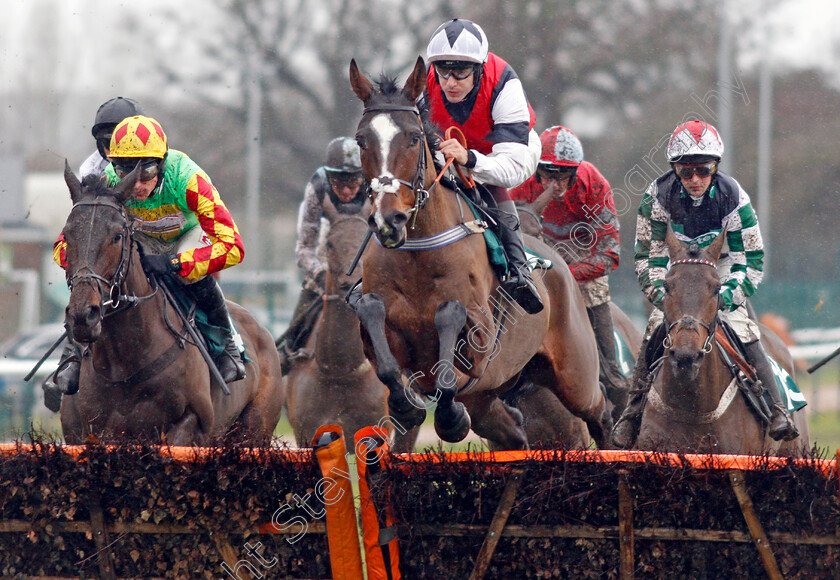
[693, 251]
[389, 91]
[98, 187]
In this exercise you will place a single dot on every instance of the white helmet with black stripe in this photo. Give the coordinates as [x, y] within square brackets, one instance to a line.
[458, 40]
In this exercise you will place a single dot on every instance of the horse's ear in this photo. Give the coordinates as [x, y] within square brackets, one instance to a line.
[538, 205]
[73, 183]
[360, 83]
[126, 185]
[674, 245]
[416, 83]
[714, 249]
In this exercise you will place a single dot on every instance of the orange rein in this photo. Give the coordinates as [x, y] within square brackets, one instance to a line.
[456, 133]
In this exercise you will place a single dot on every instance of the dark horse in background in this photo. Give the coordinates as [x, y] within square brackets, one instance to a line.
[437, 313]
[694, 404]
[335, 383]
[142, 377]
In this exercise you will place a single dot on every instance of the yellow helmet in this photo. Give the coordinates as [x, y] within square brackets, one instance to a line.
[138, 136]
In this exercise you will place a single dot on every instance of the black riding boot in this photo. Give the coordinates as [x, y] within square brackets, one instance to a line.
[602, 323]
[518, 284]
[211, 301]
[781, 423]
[627, 427]
[65, 379]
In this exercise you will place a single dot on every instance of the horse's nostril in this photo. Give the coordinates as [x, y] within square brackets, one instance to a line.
[399, 219]
[94, 315]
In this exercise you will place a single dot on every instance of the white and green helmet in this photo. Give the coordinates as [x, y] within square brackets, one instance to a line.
[343, 156]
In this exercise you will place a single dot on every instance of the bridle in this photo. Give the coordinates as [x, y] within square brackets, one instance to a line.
[115, 293]
[711, 327]
[379, 185]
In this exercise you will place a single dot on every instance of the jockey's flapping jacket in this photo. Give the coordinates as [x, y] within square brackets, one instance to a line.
[309, 221]
[186, 198]
[725, 204]
[582, 225]
[497, 121]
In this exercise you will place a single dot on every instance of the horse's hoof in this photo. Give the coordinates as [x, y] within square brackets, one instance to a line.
[407, 409]
[452, 423]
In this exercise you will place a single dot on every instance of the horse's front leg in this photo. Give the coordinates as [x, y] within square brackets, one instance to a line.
[404, 404]
[452, 422]
[186, 431]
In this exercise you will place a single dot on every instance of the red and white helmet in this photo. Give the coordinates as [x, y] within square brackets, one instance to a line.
[458, 40]
[694, 138]
[560, 146]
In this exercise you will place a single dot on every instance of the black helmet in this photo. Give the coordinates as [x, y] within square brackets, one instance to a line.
[113, 111]
[343, 156]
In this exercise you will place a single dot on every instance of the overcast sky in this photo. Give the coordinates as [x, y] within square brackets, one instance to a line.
[89, 43]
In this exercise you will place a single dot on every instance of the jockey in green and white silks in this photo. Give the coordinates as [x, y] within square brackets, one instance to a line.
[724, 205]
[699, 202]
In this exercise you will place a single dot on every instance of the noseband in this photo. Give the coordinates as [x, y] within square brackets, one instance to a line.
[384, 184]
[690, 320]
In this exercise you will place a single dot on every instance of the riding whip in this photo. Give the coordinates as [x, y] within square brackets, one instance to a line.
[34, 370]
[823, 361]
[360, 252]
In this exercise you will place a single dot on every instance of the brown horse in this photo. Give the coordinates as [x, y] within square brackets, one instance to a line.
[337, 384]
[141, 376]
[694, 404]
[550, 425]
[547, 422]
[432, 305]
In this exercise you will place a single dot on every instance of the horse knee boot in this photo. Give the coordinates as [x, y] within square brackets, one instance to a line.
[626, 429]
[518, 284]
[65, 379]
[602, 324]
[781, 423]
[210, 299]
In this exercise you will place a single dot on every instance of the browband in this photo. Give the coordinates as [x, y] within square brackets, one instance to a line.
[387, 107]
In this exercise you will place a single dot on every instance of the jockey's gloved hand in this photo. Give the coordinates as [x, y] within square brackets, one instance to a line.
[161, 264]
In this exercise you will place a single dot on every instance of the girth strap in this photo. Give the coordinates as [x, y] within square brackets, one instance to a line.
[152, 369]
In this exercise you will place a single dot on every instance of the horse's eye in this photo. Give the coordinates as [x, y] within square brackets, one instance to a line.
[666, 287]
[361, 141]
[415, 139]
[117, 238]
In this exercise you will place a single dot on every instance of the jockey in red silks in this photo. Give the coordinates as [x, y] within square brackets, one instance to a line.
[472, 89]
[581, 224]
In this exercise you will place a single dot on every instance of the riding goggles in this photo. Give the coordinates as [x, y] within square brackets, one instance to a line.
[103, 142]
[550, 173]
[339, 181]
[705, 170]
[460, 73]
[149, 169]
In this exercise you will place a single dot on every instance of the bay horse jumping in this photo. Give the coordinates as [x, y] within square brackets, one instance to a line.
[694, 403]
[437, 312]
[141, 375]
[336, 383]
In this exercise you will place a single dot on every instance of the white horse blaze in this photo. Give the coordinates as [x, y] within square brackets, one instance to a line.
[385, 130]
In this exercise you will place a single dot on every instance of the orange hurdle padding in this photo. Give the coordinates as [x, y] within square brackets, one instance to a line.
[382, 554]
[336, 492]
[698, 461]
